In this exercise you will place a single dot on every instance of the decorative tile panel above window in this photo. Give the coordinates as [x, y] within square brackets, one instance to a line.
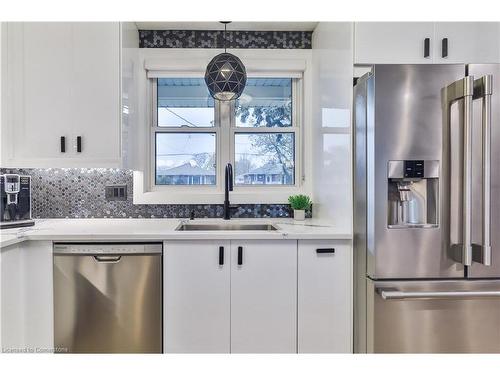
[215, 39]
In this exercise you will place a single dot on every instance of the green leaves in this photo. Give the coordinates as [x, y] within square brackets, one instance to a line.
[300, 202]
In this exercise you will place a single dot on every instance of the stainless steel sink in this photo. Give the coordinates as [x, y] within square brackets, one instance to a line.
[226, 226]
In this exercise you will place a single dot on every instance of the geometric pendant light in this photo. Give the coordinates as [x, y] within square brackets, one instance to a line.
[226, 75]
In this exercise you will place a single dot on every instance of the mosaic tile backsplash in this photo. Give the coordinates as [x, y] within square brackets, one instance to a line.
[79, 193]
[215, 39]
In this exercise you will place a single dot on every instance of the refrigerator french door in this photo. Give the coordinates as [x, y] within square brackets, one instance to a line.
[426, 215]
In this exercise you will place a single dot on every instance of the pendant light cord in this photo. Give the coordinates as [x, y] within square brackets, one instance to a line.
[225, 28]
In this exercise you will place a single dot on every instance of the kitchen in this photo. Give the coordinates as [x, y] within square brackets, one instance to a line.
[250, 187]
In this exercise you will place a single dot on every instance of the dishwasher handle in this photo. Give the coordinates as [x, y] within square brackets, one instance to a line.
[107, 258]
[398, 295]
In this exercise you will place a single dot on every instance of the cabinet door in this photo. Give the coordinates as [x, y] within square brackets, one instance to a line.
[468, 42]
[324, 297]
[62, 80]
[12, 298]
[392, 42]
[196, 297]
[264, 296]
[96, 91]
[38, 79]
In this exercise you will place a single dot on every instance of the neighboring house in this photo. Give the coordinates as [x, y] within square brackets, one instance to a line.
[268, 174]
[185, 174]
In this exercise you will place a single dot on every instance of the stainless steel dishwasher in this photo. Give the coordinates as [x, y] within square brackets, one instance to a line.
[108, 297]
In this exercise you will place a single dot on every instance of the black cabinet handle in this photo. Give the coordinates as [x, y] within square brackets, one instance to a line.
[63, 144]
[79, 144]
[427, 47]
[221, 255]
[444, 47]
[325, 251]
[240, 255]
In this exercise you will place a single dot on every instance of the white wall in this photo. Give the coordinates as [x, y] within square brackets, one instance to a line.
[3, 65]
[130, 95]
[332, 103]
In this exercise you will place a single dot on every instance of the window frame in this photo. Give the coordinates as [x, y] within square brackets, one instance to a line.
[295, 128]
[155, 129]
[225, 130]
[190, 62]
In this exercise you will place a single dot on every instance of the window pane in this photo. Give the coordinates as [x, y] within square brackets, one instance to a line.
[264, 158]
[185, 159]
[265, 102]
[184, 102]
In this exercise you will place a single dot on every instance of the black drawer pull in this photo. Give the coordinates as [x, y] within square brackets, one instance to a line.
[444, 47]
[221, 255]
[326, 251]
[427, 47]
[240, 255]
[79, 144]
[63, 144]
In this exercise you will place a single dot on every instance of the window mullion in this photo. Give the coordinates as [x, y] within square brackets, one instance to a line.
[288, 129]
[225, 114]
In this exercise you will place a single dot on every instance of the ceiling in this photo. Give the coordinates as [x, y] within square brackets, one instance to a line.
[255, 26]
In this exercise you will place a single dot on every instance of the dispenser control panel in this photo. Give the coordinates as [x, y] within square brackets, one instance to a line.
[414, 168]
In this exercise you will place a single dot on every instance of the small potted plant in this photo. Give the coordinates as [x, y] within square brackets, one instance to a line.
[299, 203]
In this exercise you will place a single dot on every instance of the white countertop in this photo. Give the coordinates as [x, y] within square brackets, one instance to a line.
[163, 229]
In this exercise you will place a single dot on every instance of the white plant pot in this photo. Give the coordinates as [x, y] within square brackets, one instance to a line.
[299, 214]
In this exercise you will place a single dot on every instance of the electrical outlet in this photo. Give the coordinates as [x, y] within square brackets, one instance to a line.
[116, 192]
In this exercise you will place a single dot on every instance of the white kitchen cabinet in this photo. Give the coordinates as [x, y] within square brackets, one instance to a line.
[26, 308]
[12, 301]
[264, 296]
[324, 296]
[467, 42]
[196, 296]
[61, 80]
[404, 42]
[392, 42]
[268, 296]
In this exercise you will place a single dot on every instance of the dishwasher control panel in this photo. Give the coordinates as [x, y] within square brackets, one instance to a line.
[107, 248]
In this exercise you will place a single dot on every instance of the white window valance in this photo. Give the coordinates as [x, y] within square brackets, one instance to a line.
[163, 68]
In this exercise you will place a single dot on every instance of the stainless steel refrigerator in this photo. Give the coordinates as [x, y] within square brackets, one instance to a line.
[427, 209]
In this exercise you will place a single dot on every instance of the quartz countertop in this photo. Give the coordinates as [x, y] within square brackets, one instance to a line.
[164, 229]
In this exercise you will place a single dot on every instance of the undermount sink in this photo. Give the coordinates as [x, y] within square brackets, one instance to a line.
[226, 226]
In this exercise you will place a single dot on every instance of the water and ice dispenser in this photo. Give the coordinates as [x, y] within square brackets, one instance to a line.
[413, 193]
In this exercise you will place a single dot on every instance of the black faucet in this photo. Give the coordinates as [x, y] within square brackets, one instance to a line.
[228, 186]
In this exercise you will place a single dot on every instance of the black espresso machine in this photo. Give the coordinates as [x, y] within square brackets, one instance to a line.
[15, 205]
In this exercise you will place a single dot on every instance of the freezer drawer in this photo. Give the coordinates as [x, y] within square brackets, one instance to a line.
[108, 303]
[433, 316]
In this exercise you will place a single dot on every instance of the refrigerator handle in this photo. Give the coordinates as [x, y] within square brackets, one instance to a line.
[392, 294]
[483, 89]
[464, 89]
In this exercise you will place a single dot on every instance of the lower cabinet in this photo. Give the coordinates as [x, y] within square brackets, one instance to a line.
[26, 297]
[257, 296]
[196, 296]
[324, 297]
[264, 296]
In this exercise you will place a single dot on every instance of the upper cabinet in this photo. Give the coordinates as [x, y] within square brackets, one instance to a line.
[426, 42]
[61, 95]
[393, 42]
[467, 42]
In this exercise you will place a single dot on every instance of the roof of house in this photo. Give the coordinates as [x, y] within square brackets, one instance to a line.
[186, 169]
[269, 168]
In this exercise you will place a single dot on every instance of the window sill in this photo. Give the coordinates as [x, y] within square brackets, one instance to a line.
[242, 195]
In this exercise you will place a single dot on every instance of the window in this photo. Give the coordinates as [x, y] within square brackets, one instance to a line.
[185, 145]
[194, 136]
[264, 135]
